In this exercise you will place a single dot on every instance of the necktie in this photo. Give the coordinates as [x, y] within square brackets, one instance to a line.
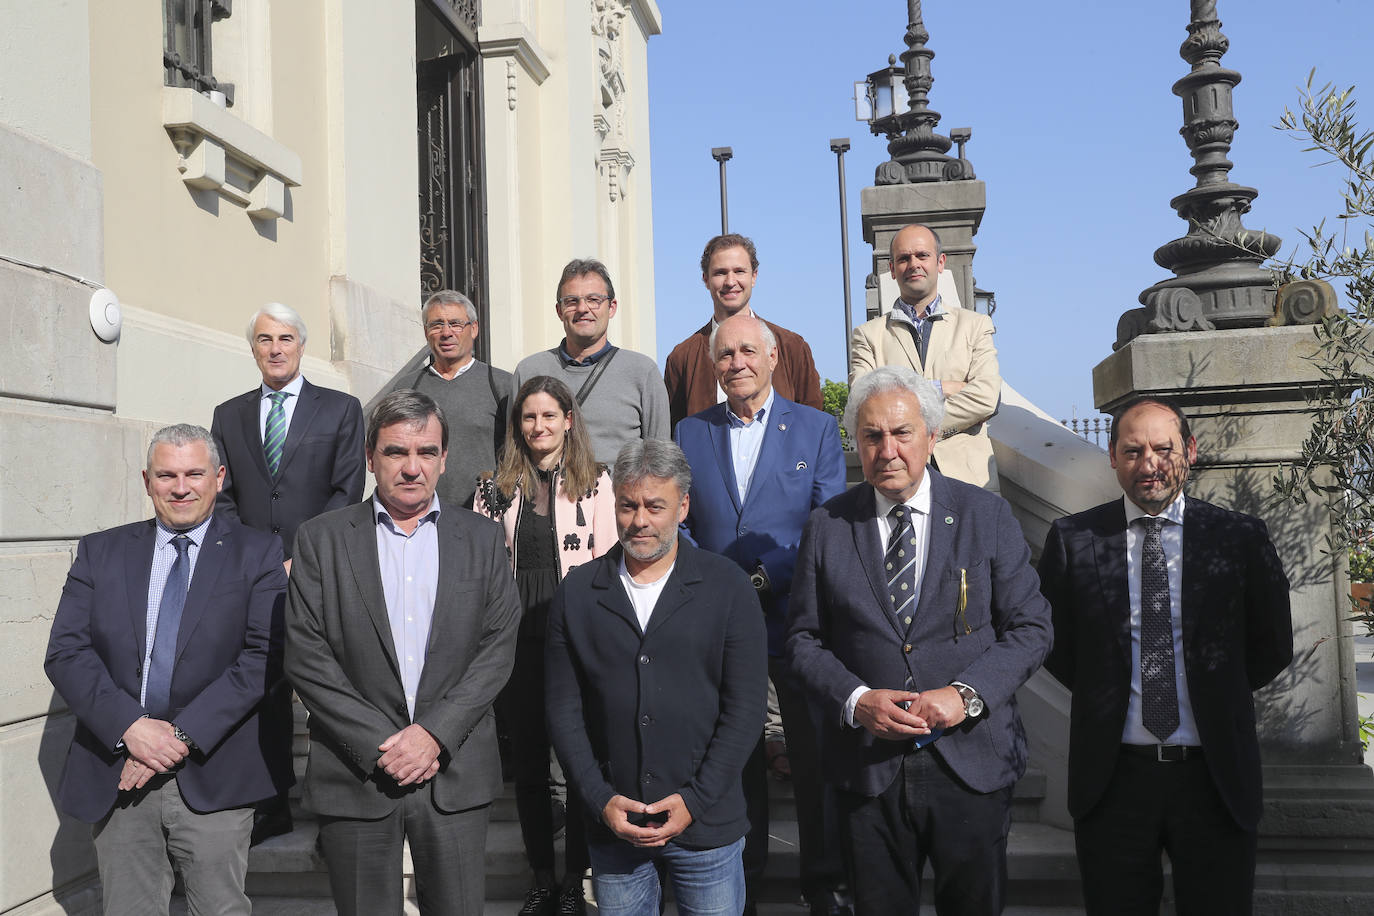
[899, 561]
[1158, 686]
[274, 436]
[159, 689]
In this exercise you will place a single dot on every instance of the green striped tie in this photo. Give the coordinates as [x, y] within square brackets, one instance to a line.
[274, 437]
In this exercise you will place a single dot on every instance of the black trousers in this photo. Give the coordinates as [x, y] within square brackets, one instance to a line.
[821, 853]
[523, 705]
[927, 813]
[1152, 807]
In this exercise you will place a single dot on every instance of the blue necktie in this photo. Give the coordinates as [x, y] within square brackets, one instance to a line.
[158, 694]
[274, 436]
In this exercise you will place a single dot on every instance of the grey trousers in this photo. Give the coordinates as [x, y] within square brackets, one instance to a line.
[448, 851]
[150, 832]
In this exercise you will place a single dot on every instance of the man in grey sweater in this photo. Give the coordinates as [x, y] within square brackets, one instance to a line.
[473, 395]
[621, 392]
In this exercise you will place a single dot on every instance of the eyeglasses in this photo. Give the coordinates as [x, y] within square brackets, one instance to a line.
[594, 302]
[439, 324]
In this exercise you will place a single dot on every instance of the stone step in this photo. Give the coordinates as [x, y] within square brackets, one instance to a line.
[292, 906]
[1041, 867]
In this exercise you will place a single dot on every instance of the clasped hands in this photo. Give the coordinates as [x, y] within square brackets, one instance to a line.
[616, 816]
[882, 713]
[153, 748]
[411, 756]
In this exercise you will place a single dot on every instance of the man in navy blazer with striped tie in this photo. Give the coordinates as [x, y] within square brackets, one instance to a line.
[915, 618]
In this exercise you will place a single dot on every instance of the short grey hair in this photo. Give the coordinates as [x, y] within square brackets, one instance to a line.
[449, 297]
[769, 340]
[179, 434]
[659, 458]
[894, 378]
[405, 405]
[277, 312]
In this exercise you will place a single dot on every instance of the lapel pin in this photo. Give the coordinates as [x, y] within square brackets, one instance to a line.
[949, 520]
[219, 543]
[782, 427]
[801, 465]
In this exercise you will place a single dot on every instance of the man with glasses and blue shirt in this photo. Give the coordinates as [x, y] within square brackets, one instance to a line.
[472, 394]
[950, 346]
[620, 391]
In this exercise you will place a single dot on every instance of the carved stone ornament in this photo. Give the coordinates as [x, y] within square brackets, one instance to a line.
[614, 160]
[1129, 326]
[1304, 302]
[1175, 309]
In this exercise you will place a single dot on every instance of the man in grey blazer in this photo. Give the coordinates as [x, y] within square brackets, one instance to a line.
[401, 623]
[915, 617]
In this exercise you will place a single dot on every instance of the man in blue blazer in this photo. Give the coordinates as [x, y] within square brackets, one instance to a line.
[1163, 755]
[915, 617]
[656, 689]
[166, 641]
[760, 463]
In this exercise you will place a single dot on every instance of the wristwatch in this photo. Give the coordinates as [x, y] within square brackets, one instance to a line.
[186, 739]
[759, 579]
[973, 703]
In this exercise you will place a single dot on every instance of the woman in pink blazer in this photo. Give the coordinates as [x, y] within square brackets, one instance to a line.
[558, 510]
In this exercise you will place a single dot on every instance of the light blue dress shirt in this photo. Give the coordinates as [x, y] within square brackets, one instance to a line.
[746, 441]
[410, 580]
[164, 555]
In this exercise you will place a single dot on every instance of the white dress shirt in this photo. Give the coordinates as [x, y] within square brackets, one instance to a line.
[919, 504]
[1171, 538]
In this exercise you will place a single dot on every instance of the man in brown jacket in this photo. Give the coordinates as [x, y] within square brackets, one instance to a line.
[730, 268]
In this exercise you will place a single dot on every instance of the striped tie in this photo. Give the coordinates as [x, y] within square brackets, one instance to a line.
[899, 561]
[274, 437]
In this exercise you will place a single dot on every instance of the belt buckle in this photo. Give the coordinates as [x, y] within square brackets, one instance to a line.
[1170, 753]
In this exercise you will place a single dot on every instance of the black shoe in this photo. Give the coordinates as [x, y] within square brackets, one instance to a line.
[572, 902]
[539, 901]
[830, 909]
[272, 818]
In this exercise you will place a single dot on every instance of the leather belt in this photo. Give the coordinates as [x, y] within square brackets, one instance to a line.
[1163, 753]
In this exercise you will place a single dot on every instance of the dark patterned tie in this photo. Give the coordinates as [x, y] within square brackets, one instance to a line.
[1158, 686]
[274, 436]
[899, 561]
[159, 691]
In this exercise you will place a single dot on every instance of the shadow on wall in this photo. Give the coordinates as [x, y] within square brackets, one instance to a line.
[76, 886]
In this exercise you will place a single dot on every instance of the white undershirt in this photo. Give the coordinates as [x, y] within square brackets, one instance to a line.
[643, 595]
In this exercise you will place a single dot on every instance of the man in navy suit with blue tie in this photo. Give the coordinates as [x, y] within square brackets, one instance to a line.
[760, 463]
[166, 642]
[915, 619]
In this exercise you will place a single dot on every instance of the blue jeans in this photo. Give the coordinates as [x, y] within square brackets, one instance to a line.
[705, 881]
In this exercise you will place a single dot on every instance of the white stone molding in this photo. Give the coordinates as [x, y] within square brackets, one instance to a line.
[221, 153]
[615, 165]
[513, 40]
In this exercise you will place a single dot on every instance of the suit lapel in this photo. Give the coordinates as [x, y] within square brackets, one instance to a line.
[677, 591]
[720, 441]
[209, 565]
[771, 451]
[307, 408]
[871, 549]
[250, 429]
[450, 543]
[360, 547]
[1109, 552]
[941, 330]
[138, 562]
[900, 331]
[610, 593]
[939, 546]
[1197, 541]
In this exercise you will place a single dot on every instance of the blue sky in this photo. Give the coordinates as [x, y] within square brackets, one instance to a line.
[1075, 132]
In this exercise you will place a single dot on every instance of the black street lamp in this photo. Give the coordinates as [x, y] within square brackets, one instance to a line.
[839, 146]
[723, 154]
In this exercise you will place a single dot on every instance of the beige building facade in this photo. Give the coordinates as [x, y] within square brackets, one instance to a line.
[317, 187]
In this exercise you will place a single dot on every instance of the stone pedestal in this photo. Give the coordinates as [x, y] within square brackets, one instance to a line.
[954, 209]
[1246, 395]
